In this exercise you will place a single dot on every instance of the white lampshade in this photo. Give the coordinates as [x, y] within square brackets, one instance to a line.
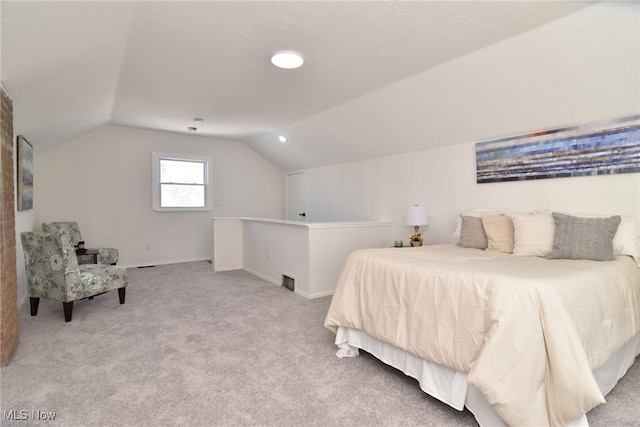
[417, 215]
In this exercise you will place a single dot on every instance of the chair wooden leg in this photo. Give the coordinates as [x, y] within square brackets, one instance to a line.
[34, 302]
[121, 294]
[68, 310]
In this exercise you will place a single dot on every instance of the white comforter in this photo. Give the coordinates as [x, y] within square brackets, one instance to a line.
[528, 331]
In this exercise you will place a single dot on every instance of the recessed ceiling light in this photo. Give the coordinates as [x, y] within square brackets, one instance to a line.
[198, 121]
[282, 138]
[287, 59]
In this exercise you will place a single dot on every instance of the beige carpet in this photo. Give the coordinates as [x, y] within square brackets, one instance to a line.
[195, 348]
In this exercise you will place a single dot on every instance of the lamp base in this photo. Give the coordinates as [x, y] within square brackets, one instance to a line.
[416, 240]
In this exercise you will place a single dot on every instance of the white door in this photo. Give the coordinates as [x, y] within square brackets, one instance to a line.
[297, 196]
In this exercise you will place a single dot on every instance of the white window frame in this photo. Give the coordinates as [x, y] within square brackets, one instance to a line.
[156, 184]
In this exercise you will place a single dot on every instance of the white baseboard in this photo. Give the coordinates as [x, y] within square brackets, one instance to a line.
[152, 263]
[297, 291]
[228, 269]
[25, 298]
[262, 276]
[312, 296]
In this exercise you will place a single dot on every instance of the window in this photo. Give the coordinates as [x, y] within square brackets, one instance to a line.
[181, 183]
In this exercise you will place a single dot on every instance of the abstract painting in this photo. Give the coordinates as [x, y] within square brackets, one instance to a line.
[596, 149]
[25, 174]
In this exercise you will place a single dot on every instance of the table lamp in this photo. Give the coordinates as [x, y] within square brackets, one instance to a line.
[417, 216]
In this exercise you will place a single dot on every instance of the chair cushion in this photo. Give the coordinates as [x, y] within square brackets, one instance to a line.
[98, 278]
[107, 256]
[69, 228]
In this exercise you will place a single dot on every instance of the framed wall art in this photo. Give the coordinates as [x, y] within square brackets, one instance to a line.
[596, 149]
[25, 174]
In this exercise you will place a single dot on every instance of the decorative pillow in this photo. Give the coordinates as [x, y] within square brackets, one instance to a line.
[472, 233]
[584, 238]
[499, 229]
[455, 238]
[627, 238]
[533, 234]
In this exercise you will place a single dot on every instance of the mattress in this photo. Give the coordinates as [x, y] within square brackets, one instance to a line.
[527, 332]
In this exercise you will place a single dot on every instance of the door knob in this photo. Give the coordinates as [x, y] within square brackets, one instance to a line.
[303, 214]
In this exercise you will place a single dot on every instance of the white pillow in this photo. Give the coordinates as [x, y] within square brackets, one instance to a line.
[533, 234]
[627, 238]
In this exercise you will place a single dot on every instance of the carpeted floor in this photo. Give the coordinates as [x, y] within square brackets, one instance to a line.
[196, 348]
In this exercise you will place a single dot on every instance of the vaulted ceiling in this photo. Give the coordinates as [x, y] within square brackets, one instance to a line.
[73, 66]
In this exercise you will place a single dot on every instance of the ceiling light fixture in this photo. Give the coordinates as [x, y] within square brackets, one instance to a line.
[282, 138]
[287, 59]
[198, 121]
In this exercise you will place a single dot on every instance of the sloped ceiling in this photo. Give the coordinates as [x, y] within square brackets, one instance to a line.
[73, 66]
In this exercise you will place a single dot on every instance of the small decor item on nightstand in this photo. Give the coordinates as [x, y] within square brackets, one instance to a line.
[81, 244]
[398, 244]
[417, 216]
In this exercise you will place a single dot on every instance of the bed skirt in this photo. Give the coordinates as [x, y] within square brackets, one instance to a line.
[451, 386]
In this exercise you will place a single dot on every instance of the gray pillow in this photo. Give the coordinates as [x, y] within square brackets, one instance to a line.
[472, 234]
[583, 238]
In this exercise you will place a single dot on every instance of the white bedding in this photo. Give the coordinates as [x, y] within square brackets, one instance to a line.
[528, 332]
[452, 387]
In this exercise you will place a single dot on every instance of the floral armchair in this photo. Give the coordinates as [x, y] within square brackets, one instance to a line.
[53, 273]
[105, 255]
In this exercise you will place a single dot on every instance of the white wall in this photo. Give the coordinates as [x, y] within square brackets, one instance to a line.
[576, 70]
[444, 181]
[103, 181]
[24, 220]
[310, 253]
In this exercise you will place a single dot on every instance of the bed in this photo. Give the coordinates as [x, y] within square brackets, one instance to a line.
[516, 337]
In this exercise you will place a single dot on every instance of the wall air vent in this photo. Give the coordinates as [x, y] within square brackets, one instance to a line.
[289, 282]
